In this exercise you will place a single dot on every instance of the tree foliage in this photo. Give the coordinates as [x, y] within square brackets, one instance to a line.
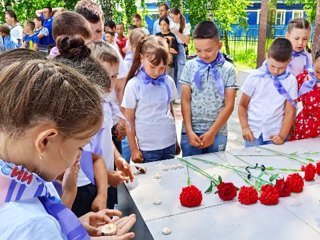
[310, 6]
[26, 9]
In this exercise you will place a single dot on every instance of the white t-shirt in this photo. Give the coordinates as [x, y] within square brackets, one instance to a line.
[83, 180]
[186, 30]
[266, 106]
[154, 123]
[28, 219]
[16, 32]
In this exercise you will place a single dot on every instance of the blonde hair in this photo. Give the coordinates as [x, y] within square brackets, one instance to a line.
[41, 90]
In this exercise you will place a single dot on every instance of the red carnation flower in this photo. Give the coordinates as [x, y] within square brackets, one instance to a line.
[227, 191]
[190, 196]
[248, 195]
[283, 188]
[295, 182]
[309, 172]
[318, 168]
[269, 195]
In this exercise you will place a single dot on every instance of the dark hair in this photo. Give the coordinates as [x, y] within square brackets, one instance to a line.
[182, 22]
[111, 33]
[75, 53]
[206, 30]
[137, 16]
[70, 23]
[38, 90]
[39, 19]
[152, 48]
[120, 23]
[164, 19]
[90, 10]
[104, 52]
[131, 27]
[280, 50]
[111, 24]
[12, 14]
[49, 8]
[165, 5]
[31, 25]
[300, 23]
[5, 29]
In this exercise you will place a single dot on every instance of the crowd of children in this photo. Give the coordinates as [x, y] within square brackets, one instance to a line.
[100, 99]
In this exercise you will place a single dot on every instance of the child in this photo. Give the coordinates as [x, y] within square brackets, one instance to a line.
[57, 128]
[137, 21]
[69, 24]
[298, 33]
[121, 40]
[267, 107]
[30, 40]
[307, 123]
[42, 34]
[208, 94]
[7, 41]
[148, 100]
[92, 181]
[109, 59]
[110, 39]
[172, 42]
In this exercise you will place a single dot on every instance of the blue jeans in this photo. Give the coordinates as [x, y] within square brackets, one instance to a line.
[126, 153]
[180, 61]
[157, 155]
[219, 144]
[256, 142]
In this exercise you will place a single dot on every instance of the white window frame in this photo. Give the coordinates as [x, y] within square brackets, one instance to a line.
[258, 14]
[299, 12]
[282, 18]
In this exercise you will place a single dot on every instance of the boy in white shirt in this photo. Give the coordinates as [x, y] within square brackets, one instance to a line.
[267, 108]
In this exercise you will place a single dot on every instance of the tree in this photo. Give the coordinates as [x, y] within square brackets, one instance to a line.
[107, 6]
[262, 32]
[316, 38]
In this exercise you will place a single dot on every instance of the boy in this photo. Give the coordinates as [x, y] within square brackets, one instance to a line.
[121, 40]
[267, 107]
[30, 40]
[208, 94]
[42, 34]
[110, 39]
[8, 42]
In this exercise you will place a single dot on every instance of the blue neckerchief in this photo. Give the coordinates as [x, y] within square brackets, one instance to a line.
[203, 68]
[307, 86]
[159, 81]
[19, 184]
[264, 71]
[302, 53]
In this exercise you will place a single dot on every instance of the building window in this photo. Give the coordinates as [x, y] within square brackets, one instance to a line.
[297, 14]
[280, 17]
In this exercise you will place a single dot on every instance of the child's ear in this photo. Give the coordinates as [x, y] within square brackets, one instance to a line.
[220, 45]
[44, 137]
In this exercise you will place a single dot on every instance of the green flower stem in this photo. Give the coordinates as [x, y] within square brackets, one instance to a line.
[289, 156]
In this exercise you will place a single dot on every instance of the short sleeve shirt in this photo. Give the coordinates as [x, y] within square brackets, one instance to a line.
[31, 40]
[47, 23]
[154, 123]
[266, 106]
[206, 104]
[186, 30]
[43, 41]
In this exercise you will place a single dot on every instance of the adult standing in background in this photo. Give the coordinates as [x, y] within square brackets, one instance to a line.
[182, 32]
[137, 20]
[15, 28]
[46, 14]
[163, 12]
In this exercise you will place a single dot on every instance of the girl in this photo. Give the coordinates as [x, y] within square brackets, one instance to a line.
[92, 180]
[307, 124]
[298, 33]
[182, 32]
[148, 103]
[40, 138]
[172, 42]
[107, 56]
